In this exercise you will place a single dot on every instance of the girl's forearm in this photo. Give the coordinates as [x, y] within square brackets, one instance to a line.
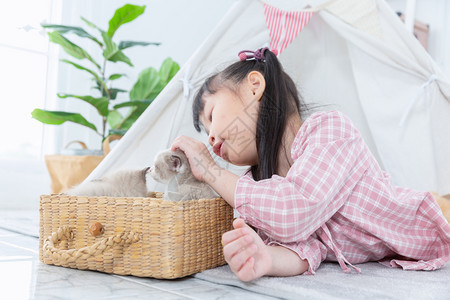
[223, 182]
[286, 262]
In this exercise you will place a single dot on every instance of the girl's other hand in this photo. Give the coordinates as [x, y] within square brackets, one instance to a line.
[245, 252]
[202, 164]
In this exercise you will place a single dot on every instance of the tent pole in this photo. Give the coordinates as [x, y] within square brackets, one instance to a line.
[410, 15]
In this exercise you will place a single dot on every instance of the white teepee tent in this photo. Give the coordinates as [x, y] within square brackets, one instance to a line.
[351, 55]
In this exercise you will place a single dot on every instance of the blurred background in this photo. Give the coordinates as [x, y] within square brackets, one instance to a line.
[32, 74]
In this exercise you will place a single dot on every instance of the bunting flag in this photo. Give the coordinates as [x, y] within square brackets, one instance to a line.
[284, 26]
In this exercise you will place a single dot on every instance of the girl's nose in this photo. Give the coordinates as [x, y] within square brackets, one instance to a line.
[211, 139]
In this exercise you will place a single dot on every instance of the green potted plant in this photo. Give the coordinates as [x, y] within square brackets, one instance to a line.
[149, 84]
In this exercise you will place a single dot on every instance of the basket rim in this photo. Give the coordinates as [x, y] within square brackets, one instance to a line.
[152, 200]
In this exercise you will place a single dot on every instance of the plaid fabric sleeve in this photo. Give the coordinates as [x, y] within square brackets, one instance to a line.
[328, 162]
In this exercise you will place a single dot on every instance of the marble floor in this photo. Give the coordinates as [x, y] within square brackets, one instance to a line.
[23, 276]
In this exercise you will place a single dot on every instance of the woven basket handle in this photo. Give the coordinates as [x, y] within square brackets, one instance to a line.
[106, 147]
[82, 144]
[68, 256]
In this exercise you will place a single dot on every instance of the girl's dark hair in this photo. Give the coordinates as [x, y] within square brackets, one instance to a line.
[279, 101]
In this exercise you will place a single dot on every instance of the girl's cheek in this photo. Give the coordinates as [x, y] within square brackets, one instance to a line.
[221, 123]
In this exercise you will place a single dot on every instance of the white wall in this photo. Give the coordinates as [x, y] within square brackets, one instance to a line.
[436, 14]
[180, 26]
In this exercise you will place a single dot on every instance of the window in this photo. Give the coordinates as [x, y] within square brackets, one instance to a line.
[24, 76]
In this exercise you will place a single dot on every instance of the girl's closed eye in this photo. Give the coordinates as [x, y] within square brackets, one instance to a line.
[207, 115]
[208, 121]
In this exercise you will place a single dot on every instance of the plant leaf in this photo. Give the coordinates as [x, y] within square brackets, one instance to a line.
[113, 93]
[140, 103]
[128, 44]
[59, 117]
[124, 14]
[151, 82]
[114, 118]
[137, 108]
[101, 104]
[90, 24]
[147, 86]
[70, 48]
[97, 78]
[116, 76]
[168, 69]
[117, 132]
[76, 30]
[133, 115]
[112, 52]
[99, 88]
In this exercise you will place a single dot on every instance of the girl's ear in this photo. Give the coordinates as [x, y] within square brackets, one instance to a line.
[256, 84]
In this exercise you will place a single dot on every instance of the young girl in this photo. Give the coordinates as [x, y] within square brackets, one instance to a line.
[314, 191]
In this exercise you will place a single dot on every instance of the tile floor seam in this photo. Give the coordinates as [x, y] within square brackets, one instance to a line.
[153, 287]
[15, 258]
[19, 247]
[9, 235]
[18, 231]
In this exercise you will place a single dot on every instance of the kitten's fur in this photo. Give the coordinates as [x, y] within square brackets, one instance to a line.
[173, 169]
[125, 183]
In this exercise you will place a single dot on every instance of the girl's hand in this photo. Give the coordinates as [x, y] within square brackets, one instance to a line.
[202, 164]
[245, 252]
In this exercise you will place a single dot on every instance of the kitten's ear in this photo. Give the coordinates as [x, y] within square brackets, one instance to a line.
[144, 173]
[175, 163]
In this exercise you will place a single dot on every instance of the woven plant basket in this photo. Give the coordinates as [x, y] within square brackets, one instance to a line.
[147, 237]
[74, 165]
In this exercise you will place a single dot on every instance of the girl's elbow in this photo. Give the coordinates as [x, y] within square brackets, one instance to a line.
[289, 231]
[288, 235]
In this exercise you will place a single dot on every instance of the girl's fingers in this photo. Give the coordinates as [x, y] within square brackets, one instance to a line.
[236, 255]
[233, 235]
[198, 155]
[182, 142]
[239, 223]
[176, 143]
[247, 272]
[240, 258]
[240, 230]
[233, 248]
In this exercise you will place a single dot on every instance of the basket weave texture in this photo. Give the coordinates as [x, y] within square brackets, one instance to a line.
[147, 237]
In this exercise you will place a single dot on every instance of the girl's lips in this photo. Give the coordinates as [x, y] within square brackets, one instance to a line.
[218, 149]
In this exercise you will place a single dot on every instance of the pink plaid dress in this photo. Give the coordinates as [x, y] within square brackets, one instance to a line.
[336, 204]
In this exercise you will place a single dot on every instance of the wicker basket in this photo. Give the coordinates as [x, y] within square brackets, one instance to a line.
[147, 237]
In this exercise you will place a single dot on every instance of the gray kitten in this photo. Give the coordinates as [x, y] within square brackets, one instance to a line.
[173, 169]
[125, 183]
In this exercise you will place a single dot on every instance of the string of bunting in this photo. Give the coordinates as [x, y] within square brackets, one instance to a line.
[284, 26]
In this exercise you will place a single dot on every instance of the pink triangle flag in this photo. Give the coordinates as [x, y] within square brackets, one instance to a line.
[284, 26]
